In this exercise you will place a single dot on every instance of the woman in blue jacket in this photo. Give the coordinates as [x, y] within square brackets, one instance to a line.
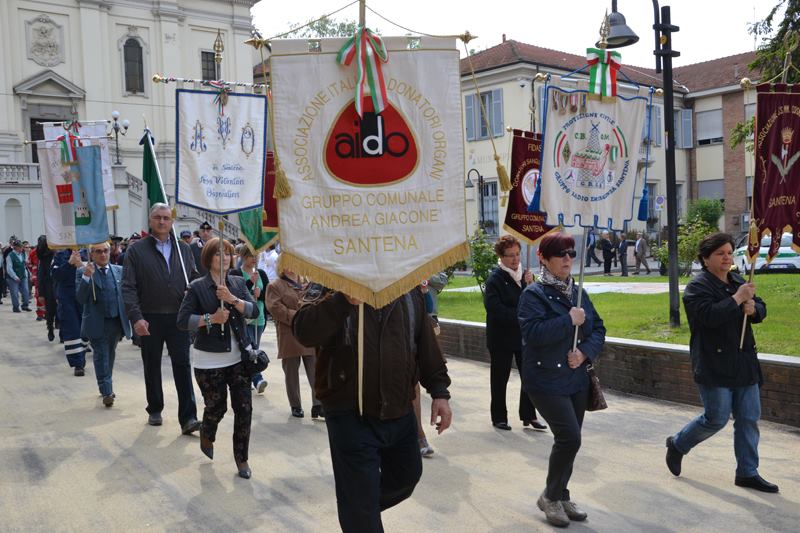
[553, 375]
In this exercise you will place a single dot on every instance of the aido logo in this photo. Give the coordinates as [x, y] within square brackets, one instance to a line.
[373, 150]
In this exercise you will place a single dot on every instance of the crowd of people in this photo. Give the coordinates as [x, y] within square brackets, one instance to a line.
[614, 249]
[210, 300]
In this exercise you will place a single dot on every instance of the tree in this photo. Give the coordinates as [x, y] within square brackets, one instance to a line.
[706, 210]
[324, 27]
[689, 237]
[482, 258]
[777, 40]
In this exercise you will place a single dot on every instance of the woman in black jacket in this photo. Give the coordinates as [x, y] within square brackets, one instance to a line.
[728, 376]
[501, 296]
[216, 354]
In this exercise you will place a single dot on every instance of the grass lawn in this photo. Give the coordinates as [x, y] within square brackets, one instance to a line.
[646, 316]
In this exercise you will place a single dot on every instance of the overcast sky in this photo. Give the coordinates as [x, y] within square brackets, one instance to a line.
[708, 28]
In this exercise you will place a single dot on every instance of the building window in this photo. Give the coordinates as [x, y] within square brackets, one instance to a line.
[134, 67]
[682, 119]
[679, 199]
[473, 115]
[653, 136]
[749, 193]
[652, 214]
[491, 219]
[709, 127]
[208, 66]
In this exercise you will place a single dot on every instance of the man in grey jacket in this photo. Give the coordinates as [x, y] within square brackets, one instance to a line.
[153, 285]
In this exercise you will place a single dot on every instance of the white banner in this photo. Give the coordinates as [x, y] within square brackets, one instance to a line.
[590, 158]
[377, 202]
[98, 129]
[221, 150]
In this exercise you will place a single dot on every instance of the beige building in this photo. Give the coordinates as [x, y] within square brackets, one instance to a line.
[66, 59]
[707, 103]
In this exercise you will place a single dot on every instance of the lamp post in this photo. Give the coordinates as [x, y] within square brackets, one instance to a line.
[119, 128]
[469, 185]
[621, 35]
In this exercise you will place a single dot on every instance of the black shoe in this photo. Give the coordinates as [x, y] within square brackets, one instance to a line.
[502, 425]
[27, 309]
[154, 419]
[79, 371]
[674, 457]
[756, 482]
[108, 400]
[39, 318]
[317, 412]
[50, 335]
[535, 424]
[16, 310]
[297, 412]
[190, 427]
[244, 472]
[208, 451]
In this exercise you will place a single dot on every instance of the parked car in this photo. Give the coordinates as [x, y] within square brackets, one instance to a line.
[787, 259]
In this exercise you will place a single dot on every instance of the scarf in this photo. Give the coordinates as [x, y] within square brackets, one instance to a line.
[549, 279]
[516, 275]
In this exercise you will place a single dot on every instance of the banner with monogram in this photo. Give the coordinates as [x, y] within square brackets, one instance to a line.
[94, 133]
[776, 187]
[222, 139]
[377, 200]
[590, 157]
[526, 151]
[73, 199]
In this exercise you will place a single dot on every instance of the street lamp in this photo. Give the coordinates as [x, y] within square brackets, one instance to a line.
[624, 36]
[118, 129]
[469, 185]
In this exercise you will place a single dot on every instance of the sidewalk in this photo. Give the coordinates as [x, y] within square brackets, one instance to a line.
[69, 464]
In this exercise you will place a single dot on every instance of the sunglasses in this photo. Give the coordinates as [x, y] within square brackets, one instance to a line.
[564, 253]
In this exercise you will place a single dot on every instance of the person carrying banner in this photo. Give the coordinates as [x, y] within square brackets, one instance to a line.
[17, 277]
[640, 251]
[501, 296]
[216, 351]
[553, 375]
[729, 378]
[204, 234]
[69, 311]
[376, 458]
[153, 286]
[104, 322]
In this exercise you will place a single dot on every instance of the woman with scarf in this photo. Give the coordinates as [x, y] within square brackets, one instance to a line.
[554, 375]
[283, 301]
[501, 295]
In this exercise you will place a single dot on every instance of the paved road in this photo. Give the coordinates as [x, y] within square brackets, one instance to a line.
[69, 464]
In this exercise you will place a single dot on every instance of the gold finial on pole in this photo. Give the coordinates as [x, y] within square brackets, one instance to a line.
[219, 47]
[467, 37]
[746, 83]
[158, 78]
[605, 29]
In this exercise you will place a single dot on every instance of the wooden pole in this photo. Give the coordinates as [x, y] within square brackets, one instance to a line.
[362, 12]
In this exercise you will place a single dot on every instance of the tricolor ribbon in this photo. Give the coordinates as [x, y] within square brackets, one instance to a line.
[371, 52]
[221, 98]
[68, 144]
[603, 72]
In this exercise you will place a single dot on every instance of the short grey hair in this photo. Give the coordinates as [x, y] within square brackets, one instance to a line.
[158, 206]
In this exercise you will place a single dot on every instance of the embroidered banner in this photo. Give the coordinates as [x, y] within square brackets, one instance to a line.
[776, 186]
[590, 158]
[74, 204]
[377, 201]
[221, 138]
[98, 130]
[259, 227]
[526, 151]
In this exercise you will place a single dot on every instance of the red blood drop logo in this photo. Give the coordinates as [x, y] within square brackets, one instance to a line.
[373, 150]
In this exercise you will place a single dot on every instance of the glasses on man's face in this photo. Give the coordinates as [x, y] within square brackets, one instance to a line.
[564, 253]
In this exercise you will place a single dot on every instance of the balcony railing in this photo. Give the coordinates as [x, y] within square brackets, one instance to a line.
[20, 173]
[231, 229]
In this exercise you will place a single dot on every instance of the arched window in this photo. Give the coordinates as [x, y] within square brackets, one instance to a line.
[13, 218]
[134, 66]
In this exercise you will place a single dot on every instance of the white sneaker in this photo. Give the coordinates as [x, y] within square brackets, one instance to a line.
[425, 449]
[553, 510]
[262, 386]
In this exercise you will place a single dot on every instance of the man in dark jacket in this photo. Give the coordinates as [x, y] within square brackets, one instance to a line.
[205, 232]
[728, 376]
[376, 458]
[153, 285]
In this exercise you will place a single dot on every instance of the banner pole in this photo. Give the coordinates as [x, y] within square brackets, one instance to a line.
[361, 359]
[164, 193]
[580, 289]
[220, 246]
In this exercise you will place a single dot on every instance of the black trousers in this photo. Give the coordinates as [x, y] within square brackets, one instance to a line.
[607, 263]
[163, 330]
[499, 372]
[564, 414]
[376, 465]
[214, 384]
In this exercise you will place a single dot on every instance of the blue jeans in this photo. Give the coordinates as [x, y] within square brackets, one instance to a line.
[104, 350]
[17, 288]
[719, 403]
[255, 333]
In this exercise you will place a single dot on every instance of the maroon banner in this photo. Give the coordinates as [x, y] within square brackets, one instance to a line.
[776, 186]
[270, 221]
[526, 150]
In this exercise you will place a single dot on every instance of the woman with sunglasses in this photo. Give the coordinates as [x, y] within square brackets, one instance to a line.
[553, 375]
[501, 296]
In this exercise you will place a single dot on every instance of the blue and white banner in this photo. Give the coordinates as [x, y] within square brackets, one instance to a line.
[221, 138]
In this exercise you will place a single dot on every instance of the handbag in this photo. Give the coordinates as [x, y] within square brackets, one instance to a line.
[596, 400]
[254, 360]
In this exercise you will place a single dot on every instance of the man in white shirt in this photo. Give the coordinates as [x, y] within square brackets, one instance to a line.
[268, 262]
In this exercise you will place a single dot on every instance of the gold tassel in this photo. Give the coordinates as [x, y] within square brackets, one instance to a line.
[174, 212]
[502, 175]
[282, 188]
[263, 216]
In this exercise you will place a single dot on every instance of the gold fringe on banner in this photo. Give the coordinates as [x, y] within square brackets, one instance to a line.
[291, 262]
